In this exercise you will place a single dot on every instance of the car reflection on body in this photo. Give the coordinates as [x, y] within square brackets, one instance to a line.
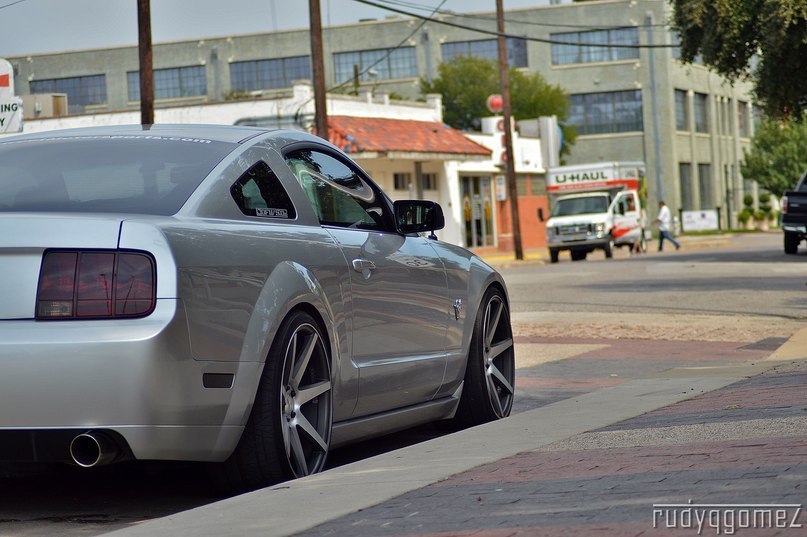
[231, 295]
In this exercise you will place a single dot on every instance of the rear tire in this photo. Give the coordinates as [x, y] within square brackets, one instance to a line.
[554, 254]
[488, 390]
[289, 429]
[791, 243]
[578, 255]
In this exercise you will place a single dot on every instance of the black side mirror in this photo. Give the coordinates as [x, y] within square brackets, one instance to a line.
[417, 216]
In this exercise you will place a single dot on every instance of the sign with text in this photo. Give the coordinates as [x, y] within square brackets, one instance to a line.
[595, 176]
[700, 220]
[10, 105]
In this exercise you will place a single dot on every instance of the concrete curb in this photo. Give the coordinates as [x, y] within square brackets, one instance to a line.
[275, 511]
[795, 348]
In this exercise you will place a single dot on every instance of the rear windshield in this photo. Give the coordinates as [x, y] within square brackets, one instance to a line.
[573, 206]
[102, 174]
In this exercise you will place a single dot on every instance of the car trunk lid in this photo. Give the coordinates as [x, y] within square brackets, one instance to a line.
[24, 238]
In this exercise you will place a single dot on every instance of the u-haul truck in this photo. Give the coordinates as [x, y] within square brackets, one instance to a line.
[594, 206]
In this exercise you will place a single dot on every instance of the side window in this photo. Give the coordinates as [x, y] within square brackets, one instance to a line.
[259, 193]
[339, 196]
[624, 204]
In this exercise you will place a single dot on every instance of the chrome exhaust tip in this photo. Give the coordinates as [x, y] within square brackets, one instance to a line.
[92, 449]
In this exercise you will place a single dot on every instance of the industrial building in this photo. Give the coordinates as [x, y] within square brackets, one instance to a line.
[628, 102]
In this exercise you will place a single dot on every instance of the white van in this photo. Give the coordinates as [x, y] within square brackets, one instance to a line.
[594, 206]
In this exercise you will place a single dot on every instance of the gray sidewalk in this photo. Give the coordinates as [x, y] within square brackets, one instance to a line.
[742, 444]
[543, 472]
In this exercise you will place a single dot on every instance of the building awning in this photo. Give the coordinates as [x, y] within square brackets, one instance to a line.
[370, 137]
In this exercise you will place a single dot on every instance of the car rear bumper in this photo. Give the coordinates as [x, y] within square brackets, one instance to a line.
[133, 377]
[795, 228]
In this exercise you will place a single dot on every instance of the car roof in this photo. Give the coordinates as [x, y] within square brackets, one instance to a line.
[216, 133]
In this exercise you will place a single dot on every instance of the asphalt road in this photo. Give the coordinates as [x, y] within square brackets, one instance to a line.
[747, 285]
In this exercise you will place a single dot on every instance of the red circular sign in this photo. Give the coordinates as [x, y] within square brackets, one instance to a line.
[495, 103]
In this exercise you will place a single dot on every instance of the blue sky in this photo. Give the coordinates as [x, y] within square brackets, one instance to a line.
[36, 26]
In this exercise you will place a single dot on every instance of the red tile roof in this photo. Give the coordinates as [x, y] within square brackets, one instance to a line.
[365, 134]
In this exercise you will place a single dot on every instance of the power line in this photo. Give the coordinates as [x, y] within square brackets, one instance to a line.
[449, 12]
[12, 3]
[505, 34]
[379, 60]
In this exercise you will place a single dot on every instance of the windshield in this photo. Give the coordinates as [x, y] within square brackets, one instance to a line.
[587, 205]
[101, 174]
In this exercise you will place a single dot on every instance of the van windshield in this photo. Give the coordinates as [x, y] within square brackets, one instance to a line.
[586, 205]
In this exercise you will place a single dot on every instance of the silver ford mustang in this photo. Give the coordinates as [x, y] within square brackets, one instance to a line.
[232, 295]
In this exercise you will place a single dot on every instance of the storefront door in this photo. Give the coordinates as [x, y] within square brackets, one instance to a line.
[477, 204]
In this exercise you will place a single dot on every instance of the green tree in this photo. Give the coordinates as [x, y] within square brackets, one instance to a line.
[465, 83]
[777, 158]
[762, 40]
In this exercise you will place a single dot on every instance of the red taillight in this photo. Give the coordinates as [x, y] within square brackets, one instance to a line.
[784, 204]
[95, 284]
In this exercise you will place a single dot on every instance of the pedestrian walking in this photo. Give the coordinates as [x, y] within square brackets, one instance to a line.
[663, 220]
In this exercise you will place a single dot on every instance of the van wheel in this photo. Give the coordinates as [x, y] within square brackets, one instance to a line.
[554, 253]
[609, 249]
[578, 255]
[288, 433]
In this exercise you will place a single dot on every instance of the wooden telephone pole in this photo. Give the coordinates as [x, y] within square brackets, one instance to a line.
[146, 66]
[510, 165]
[318, 66]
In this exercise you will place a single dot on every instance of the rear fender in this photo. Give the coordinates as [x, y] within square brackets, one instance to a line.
[289, 287]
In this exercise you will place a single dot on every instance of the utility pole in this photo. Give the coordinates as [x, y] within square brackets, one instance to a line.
[510, 165]
[320, 105]
[146, 65]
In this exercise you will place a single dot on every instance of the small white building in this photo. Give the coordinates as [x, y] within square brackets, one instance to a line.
[484, 210]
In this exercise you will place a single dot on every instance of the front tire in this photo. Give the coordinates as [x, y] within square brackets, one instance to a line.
[791, 243]
[490, 374]
[289, 430]
[609, 249]
[554, 254]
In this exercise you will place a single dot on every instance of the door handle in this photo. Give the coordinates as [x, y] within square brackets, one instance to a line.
[360, 265]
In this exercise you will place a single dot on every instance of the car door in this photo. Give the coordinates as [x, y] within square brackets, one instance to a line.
[627, 218]
[399, 293]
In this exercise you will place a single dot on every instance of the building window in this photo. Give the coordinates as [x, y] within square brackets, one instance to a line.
[743, 124]
[267, 74]
[685, 181]
[701, 113]
[537, 185]
[402, 180]
[705, 185]
[681, 111]
[488, 49]
[593, 46]
[172, 83]
[597, 113]
[429, 181]
[379, 64]
[758, 115]
[81, 90]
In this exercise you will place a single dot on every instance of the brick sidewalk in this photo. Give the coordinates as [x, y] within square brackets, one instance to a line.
[746, 443]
